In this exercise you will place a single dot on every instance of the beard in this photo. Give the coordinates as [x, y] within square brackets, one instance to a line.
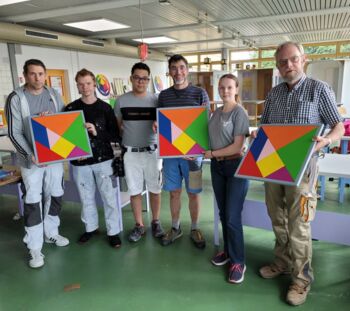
[292, 77]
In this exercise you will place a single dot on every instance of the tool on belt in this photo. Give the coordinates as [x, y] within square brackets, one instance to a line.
[308, 200]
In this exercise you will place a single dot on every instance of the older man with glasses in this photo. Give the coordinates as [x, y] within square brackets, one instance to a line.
[136, 112]
[298, 100]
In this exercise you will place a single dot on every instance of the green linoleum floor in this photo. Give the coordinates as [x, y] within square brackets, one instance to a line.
[147, 276]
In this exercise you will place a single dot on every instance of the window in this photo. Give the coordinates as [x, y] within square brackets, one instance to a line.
[216, 67]
[192, 58]
[193, 68]
[320, 49]
[240, 55]
[204, 67]
[345, 48]
[268, 53]
[213, 57]
[267, 64]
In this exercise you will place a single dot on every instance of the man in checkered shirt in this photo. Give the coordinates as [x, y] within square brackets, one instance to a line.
[298, 100]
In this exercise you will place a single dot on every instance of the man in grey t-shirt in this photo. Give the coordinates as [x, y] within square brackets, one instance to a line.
[136, 111]
[41, 214]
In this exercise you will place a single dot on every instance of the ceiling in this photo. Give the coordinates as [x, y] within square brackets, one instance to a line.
[197, 25]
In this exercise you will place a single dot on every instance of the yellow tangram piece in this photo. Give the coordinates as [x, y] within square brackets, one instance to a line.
[270, 164]
[184, 143]
[63, 147]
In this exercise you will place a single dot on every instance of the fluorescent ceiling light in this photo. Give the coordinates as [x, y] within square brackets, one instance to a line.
[152, 40]
[7, 2]
[97, 25]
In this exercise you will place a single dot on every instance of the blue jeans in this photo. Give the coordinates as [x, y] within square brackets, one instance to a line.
[230, 193]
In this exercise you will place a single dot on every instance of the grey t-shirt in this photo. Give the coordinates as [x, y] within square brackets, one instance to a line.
[138, 115]
[40, 103]
[224, 126]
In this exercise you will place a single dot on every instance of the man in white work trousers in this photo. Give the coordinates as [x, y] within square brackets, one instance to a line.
[41, 216]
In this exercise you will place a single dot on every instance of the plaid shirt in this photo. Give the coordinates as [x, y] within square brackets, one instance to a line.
[309, 102]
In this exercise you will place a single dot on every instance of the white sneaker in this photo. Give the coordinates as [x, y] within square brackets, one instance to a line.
[36, 258]
[59, 240]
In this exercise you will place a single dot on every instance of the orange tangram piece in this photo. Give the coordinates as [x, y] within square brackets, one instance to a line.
[61, 124]
[180, 118]
[286, 135]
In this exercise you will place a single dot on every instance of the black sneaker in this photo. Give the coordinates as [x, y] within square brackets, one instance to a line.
[114, 241]
[86, 236]
[137, 233]
[157, 230]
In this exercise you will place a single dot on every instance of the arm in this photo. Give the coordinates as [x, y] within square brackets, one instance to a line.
[335, 134]
[15, 126]
[235, 148]
[331, 116]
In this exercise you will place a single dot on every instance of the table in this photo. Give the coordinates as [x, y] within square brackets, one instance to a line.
[334, 165]
[7, 146]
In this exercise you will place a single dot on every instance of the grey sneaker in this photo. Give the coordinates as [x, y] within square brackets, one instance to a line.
[157, 230]
[137, 233]
[197, 238]
[171, 236]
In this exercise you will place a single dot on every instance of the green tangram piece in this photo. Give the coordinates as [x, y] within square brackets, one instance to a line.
[294, 154]
[198, 130]
[76, 134]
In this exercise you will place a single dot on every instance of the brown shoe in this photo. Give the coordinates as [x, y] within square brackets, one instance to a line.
[197, 238]
[271, 271]
[297, 294]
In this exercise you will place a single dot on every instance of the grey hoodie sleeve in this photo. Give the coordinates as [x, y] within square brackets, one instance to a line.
[15, 126]
[58, 98]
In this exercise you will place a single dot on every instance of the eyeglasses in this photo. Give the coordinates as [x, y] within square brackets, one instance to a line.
[293, 59]
[141, 79]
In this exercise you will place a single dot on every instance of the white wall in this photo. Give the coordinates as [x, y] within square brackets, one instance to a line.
[72, 61]
[6, 85]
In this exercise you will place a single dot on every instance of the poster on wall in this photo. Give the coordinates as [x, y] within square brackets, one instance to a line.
[57, 84]
[103, 85]
[60, 137]
[279, 153]
[158, 84]
[182, 131]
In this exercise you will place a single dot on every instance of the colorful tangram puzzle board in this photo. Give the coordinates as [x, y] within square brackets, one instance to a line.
[59, 137]
[182, 131]
[279, 153]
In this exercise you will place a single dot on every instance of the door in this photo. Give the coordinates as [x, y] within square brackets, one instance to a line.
[58, 80]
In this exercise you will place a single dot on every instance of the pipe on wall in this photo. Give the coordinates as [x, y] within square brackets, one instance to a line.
[14, 33]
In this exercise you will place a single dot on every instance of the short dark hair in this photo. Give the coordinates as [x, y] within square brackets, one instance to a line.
[141, 66]
[35, 62]
[83, 73]
[176, 58]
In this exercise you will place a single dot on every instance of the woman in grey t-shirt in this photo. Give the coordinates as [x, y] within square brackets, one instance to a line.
[228, 127]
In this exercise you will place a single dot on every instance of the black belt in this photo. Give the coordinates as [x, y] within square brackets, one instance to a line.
[141, 149]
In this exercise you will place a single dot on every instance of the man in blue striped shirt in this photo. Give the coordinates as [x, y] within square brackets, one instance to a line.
[298, 100]
[175, 170]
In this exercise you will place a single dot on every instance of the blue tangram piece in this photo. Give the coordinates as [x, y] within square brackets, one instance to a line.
[164, 126]
[40, 133]
[258, 144]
